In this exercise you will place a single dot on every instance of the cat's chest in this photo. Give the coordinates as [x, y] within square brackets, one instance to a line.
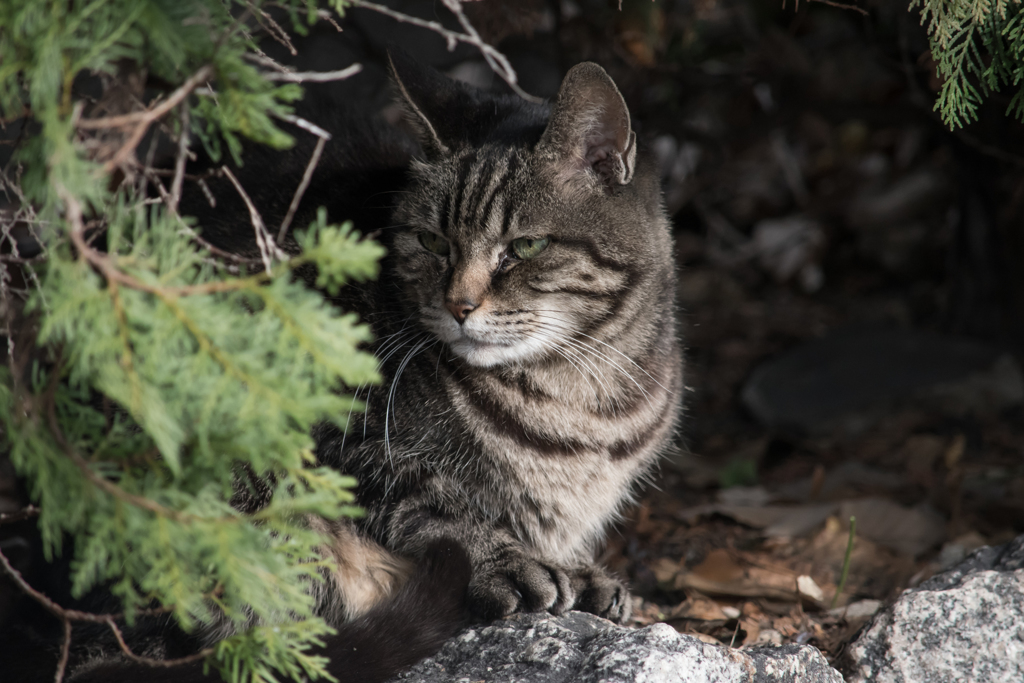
[563, 506]
[556, 469]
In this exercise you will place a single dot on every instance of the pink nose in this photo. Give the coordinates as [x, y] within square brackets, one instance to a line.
[460, 309]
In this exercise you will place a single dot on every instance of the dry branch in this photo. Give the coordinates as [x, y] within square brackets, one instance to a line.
[69, 615]
[495, 59]
[268, 248]
[143, 119]
[314, 159]
[314, 76]
[27, 512]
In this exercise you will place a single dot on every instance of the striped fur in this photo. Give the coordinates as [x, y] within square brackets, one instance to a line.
[523, 430]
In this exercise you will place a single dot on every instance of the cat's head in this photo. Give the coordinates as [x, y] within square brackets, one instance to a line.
[526, 227]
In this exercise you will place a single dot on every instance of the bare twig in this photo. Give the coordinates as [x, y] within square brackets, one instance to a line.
[143, 119]
[262, 59]
[314, 76]
[206, 192]
[150, 115]
[314, 159]
[268, 248]
[839, 5]
[495, 59]
[154, 177]
[305, 125]
[179, 162]
[273, 28]
[27, 512]
[110, 271]
[65, 652]
[69, 615]
[164, 663]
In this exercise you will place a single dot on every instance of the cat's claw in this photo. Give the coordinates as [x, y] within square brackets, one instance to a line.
[524, 584]
[520, 584]
[602, 594]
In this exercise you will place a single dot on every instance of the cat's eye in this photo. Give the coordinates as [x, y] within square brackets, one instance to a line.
[528, 247]
[435, 243]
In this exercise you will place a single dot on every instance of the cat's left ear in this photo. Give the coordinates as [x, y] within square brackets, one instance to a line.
[435, 105]
[589, 130]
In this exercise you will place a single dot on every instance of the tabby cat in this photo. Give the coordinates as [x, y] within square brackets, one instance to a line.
[525, 324]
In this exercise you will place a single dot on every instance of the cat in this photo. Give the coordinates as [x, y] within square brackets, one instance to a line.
[525, 325]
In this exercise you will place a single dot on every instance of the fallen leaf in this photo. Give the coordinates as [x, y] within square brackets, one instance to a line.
[698, 607]
[910, 531]
[721, 574]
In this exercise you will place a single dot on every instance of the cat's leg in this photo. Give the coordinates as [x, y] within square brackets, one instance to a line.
[508, 575]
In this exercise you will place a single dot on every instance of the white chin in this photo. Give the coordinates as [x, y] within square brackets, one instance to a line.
[490, 355]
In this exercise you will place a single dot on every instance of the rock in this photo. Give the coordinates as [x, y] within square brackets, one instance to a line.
[898, 202]
[790, 246]
[966, 624]
[582, 648]
[853, 376]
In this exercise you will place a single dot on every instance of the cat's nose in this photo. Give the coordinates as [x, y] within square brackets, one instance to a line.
[460, 309]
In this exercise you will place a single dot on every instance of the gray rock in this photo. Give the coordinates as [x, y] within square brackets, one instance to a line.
[963, 625]
[582, 648]
[853, 376]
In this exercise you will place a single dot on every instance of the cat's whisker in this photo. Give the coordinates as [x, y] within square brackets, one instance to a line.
[348, 419]
[396, 342]
[394, 383]
[556, 322]
[588, 348]
[604, 343]
[592, 369]
[583, 346]
[609, 396]
[565, 356]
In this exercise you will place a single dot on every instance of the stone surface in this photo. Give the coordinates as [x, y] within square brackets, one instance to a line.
[853, 376]
[581, 648]
[965, 625]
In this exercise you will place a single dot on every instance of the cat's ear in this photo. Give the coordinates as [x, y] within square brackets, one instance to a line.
[433, 102]
[589, 130]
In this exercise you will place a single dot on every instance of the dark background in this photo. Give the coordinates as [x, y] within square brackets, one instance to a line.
[850, 292]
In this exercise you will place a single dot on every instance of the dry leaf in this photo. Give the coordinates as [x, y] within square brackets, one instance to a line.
[910, 531]
[721, 574]
[698, 607]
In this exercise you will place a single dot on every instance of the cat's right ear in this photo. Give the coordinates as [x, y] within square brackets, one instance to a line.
[429, 99]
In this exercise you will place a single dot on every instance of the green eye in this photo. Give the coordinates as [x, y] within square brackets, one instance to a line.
[434, 243]
[528, 247]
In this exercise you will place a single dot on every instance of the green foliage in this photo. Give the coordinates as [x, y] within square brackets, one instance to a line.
[738, 473]
[163, 383]
[978, 46]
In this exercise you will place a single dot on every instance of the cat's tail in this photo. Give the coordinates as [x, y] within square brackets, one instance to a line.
[428, 610]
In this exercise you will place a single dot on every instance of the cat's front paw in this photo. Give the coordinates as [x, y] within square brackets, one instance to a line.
[600, 593]
[516, 582]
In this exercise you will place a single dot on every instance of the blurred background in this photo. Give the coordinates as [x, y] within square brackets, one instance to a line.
[851, 292]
